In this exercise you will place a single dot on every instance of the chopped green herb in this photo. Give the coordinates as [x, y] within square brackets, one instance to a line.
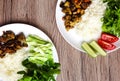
[111, 19]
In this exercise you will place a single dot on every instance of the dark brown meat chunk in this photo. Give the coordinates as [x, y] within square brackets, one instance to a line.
[7, 35]
[73, 10]
[9, 50]
[21, 37]
[87, 1]
[85, 5]
[10, 43]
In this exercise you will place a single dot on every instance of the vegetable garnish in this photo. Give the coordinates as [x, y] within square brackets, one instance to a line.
[96, 47]
[106, 45]
[106, 41]
[109, 38]
[88, 49]
[93, 48]
[40, 65]
[111, 19]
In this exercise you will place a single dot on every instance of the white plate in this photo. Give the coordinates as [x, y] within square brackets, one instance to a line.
[71, 37]
[28, 29]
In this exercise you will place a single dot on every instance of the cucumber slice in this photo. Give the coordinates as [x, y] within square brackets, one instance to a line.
[88, 49]
[95, 46]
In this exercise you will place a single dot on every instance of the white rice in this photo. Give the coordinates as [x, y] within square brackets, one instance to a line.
[89, 28]
[11, 64]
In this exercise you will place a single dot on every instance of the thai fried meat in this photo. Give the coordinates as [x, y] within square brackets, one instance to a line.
[10, 43]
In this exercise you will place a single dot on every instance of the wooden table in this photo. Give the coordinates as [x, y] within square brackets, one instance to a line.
[75, 65]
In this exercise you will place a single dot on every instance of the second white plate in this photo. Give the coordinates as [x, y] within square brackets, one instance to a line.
[71, 37]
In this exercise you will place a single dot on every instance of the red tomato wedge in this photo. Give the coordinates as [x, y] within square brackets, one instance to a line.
[109, 38]
[105, 45]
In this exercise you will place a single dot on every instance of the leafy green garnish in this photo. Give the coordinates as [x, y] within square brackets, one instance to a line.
[40, 65]
[111, 19]
[40, 50]
[37, 72]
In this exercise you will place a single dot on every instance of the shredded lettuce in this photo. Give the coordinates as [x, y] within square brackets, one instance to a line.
[40, 50]
[40, 64]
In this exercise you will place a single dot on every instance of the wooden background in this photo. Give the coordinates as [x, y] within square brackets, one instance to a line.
[75, 65]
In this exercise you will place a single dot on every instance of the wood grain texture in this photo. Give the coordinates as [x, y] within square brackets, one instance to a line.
[75, 65]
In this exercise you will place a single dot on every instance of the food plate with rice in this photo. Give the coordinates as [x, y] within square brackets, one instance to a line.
[82, 21]
[15, 64]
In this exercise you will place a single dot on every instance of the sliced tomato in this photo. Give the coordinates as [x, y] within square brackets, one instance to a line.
[106, 45]
[109, 38]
